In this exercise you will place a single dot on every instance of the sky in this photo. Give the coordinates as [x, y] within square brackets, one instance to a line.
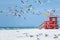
[28, 18]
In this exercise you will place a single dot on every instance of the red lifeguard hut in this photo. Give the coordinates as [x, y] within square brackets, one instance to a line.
[51, 23]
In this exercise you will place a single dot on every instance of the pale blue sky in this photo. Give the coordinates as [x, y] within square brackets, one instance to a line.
[31, 20]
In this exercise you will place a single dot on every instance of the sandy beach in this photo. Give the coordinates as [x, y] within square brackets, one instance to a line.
[30, 34]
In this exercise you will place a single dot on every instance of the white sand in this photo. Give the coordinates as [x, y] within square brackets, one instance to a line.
[30, 34]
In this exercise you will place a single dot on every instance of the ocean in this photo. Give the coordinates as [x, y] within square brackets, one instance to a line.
[12, 28]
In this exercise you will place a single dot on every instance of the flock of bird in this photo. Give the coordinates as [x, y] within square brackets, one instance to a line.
[55, 36]
[21, 12]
